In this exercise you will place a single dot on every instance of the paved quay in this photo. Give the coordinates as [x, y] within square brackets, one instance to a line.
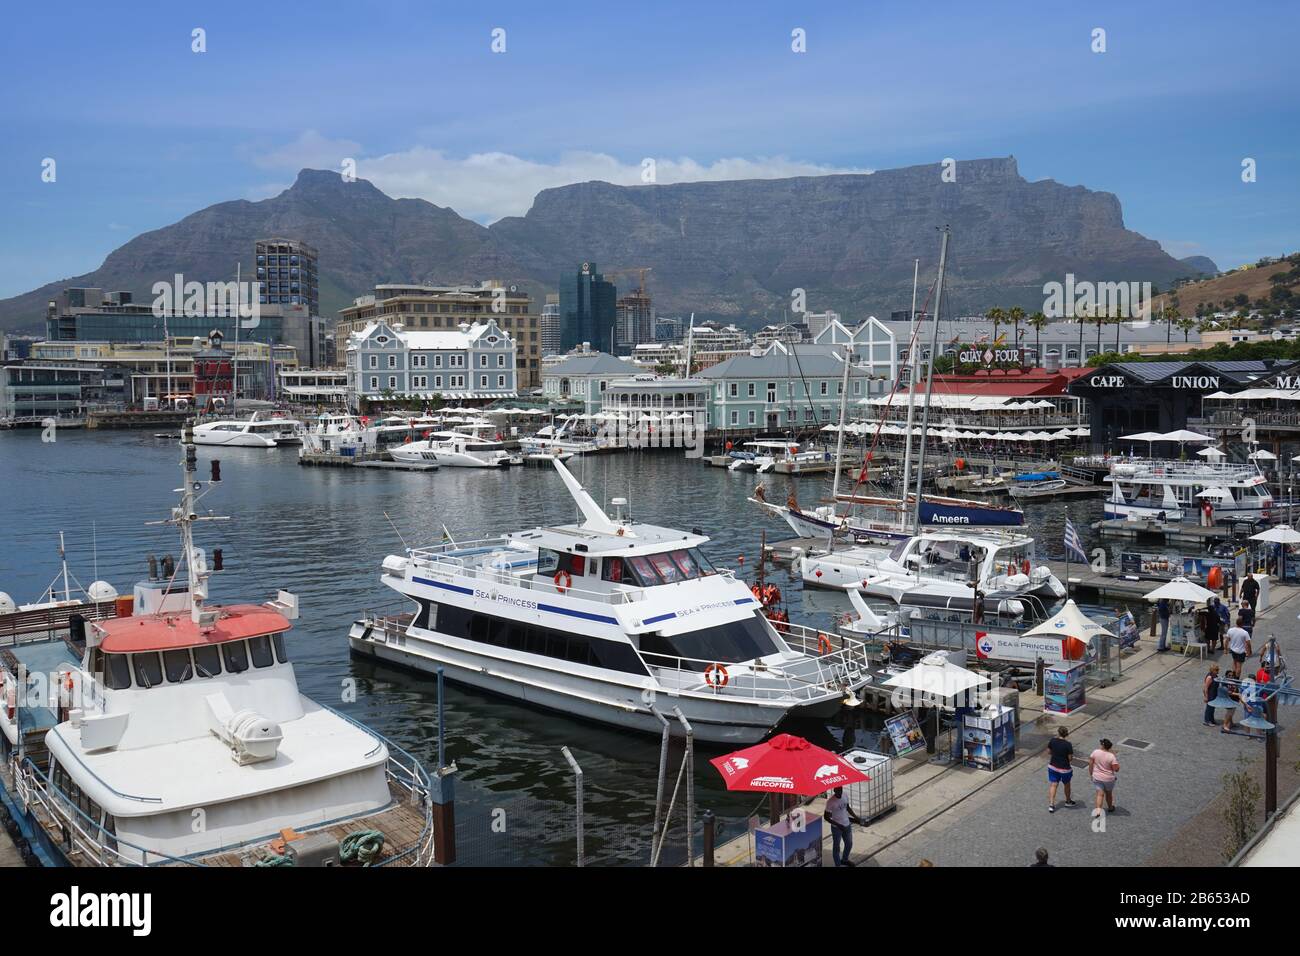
[1168, 798]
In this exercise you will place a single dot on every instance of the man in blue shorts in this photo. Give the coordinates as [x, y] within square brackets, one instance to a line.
[1058, 767]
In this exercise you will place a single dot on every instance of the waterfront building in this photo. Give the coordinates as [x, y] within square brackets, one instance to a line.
[668, 329]
[286, 272]
[786, 387]
[588, 310]
[716, 337]
[790, 333]
[314, 386]
[1265, 409]
[90, 315]
[134, 371]
[648, 396]
[432, 308]
[470, 362]
[38, 390]
[1125, 398]
[584, 377]
[815, 322]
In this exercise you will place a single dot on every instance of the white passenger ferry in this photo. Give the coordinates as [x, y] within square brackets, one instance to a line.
[255, 432]
[1187, 491]
[609, 620]
[178, 735]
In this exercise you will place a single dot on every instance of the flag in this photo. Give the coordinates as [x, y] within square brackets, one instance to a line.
[1073, 546]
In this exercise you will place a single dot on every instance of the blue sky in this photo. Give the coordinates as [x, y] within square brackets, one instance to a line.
[145, 131]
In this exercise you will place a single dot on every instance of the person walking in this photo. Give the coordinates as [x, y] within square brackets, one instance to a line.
[1103, 767]
[1059, 770]
[1212, 627]
[1210, 690]
[1250, 590]
[1246, 616]
[841, 817]
[1163, 612]
[1238, 646]
[1225, 619]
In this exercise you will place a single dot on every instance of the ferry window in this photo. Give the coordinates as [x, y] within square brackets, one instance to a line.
[548, 561]
[729, 643]
[235, 655]
[177, 665]
[702, 562]
[280, 654]
[117, 672]
[207, 661]
[684, 564]
[644, 571]
[667, 570]
[479, 627]
[577, 564]
[261, 649]
[612, 570]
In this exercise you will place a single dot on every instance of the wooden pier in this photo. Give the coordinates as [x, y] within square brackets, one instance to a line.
[1148, 530]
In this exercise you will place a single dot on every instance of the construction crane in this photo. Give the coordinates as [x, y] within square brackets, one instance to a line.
[640, 270]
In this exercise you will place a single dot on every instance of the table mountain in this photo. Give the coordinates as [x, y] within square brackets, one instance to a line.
[730, 249]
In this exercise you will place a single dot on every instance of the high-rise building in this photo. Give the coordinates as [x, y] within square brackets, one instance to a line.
[587, 309]
[634, 318]
[286, 269]
[549, 325]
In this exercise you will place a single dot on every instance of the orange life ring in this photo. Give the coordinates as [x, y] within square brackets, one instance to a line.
[563, 581]
[715, 675]
[824, 645]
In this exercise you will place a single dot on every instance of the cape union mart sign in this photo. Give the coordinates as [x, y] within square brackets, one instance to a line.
[1196, 383]
[974, 355]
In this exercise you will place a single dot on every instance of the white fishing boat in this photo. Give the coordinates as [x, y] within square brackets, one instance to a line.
[611, 620]
[255, 432]
[338, 435]
[1190, 491]
[178, 736]
[939, 567]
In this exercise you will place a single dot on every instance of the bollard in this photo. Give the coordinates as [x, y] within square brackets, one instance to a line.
[709, 836]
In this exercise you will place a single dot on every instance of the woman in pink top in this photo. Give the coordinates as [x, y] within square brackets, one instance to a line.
[1103, 767]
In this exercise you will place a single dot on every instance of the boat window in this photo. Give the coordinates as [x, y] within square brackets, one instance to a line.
[281, 654]
[207, 661]
[235, 655]
[729, 643]
[896, 554]
[702, 562]
[542, 641]
[684, 564]
[117, 672]
[261, 649]
[644, 571]
[667, 570]
[612, 570]
[148, 669]
[178, 666]
[548, 561]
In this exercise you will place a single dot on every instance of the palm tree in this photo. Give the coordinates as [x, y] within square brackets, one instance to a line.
[1185, 325]
[997, 316]
[1016, 315]
[1101, 318]
[1038, 322]
[1170, 316]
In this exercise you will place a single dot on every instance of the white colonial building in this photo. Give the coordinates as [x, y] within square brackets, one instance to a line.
[472, 362]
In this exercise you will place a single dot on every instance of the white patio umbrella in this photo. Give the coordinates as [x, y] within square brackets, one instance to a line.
[937, 680]
[1279, 534]
[1211, 452]
[1261, 454]
[1147, 437]
[1181, 589]
[1069, 621]
[1182, 436]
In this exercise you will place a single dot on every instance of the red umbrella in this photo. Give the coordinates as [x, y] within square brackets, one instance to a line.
[786, 764]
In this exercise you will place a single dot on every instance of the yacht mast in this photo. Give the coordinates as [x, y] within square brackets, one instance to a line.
[929, 381]
[839, 442]
[911, 388]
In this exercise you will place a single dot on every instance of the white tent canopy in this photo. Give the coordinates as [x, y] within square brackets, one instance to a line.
[1069, 621]
[1261, 454]
[1280, 534]
[1181, 589]
[937, 677]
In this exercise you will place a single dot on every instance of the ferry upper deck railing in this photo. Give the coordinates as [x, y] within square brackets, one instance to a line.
[836, 662]
[469, 559]
[1145, 467]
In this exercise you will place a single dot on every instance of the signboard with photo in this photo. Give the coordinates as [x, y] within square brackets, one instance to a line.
[905, 733]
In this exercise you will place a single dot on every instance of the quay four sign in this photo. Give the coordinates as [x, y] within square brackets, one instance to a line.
[974, 355]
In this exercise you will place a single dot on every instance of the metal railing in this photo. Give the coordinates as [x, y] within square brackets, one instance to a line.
[448, 561]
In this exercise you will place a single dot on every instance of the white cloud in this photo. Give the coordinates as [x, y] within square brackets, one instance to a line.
[488, 186]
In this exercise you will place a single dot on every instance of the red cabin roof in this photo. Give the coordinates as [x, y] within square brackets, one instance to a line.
[168, 632]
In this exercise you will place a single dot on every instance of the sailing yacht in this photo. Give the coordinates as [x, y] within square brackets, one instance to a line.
[611, 620]
[177, 736]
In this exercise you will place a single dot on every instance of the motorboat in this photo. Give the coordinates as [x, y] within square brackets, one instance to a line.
[255, 432]
[558, 437]
[936, 568]
[1043, 488]
[763, 456]
[178, 736]
[458, 448]
[610, 620]
[338, 435]
[1177, 491]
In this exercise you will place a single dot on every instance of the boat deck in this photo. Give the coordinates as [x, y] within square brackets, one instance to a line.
[402, 824]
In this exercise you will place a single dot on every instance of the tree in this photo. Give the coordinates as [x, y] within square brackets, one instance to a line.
[997, 316]
[1038, 322]
[1016, 315]
[1185, 325]
[1169, 315]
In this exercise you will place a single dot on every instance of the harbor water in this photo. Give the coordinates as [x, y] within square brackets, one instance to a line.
[322, 534]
